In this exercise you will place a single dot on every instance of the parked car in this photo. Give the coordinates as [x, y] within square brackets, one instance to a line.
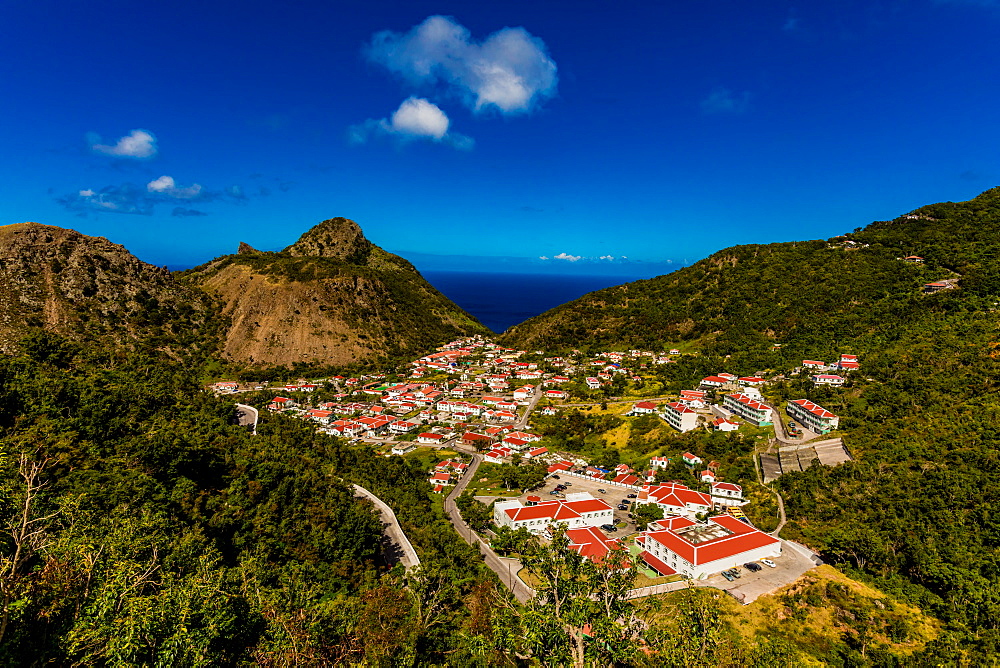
[752, 567]
[633, 496]
[769, 563]
[613, 528]
[622, 507]
[603, 491]
[568, 484]
[607, 527]
[555, 476]
[625, 501]
[727, 575]
[555, 491]
[735, 572]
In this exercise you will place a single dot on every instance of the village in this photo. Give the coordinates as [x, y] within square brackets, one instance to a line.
[479, 415]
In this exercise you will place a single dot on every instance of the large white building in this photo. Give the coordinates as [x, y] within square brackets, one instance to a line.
[748, 408]
[575, 511]
[813, 416]
[696, 550]
[679, 416]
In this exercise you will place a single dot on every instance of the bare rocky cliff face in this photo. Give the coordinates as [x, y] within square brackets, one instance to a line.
[86, 287]
[332, 297]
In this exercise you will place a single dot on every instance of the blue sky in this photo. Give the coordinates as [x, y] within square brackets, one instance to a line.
[653, 132]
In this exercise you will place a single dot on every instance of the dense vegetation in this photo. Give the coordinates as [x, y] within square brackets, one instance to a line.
[917, 511]
[146, 529]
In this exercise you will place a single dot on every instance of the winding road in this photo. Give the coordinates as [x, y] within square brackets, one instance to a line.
[395, 545]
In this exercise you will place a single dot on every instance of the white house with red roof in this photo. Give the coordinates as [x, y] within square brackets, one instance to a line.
[714, 381]
[537, 452]
[848, 365]
[727, 494]
[575, 511]
[690, 460]
[696, 550]
[813, 364]
[813, 416]
[679, 416]
[497, 455]
[751, 381]
[659, 462]
[440, 478]
[828, 379]
[644, 407]
[428, 437]
[676, 499]
[593, 383]
[722, 424]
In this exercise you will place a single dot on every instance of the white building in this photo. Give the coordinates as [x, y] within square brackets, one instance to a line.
[576, 510]
[747, 408]
[676, 499]
[828, 379]
[727, 494]
[813, 416]
[679, 416]
[696, 550]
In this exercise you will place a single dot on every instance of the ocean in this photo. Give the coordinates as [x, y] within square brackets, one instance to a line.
[501, 301]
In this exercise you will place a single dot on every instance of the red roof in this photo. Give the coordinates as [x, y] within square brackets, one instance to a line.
[646, 404]
[715, 379]
[815, 409]
[656, 564]
[679, 407]
[752, 403]
[738, 538]
[727, 486]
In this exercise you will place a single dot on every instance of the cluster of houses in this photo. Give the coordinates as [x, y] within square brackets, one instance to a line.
[448, 472]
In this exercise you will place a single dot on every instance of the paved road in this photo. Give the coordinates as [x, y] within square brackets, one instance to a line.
[396, 546]
[506, 569]
[247, 416]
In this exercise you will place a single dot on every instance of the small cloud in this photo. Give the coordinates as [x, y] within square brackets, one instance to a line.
[165, 185]
[568, 257]
[181, 212]
[416, 118]
[509, 71]
[531, 209]
[138, 144]
[126, 199]
[724, 101]
[607, 257]
[543, 257]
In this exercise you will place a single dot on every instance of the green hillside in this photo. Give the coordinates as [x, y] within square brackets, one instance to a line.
[917, 511]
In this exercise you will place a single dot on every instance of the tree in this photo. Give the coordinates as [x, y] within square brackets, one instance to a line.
[645, 513]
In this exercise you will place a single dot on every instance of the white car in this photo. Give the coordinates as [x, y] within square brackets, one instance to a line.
[769, 563]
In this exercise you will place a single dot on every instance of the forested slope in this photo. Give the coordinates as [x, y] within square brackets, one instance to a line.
[917, 511]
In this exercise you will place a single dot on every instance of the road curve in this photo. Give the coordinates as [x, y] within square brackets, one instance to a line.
[397, 546]
[243, 413]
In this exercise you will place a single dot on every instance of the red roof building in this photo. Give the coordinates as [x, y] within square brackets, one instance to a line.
[698, 550]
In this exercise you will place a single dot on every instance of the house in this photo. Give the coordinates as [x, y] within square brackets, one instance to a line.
[403, 448]
[722, 424]
[476, 440]
[728, 376]
[627, 480]
[524, 436]
[727, 494]
[537, 452]
[813, 416]
[827, 379]
[848, 365]
[679, 416]
[575, 511]
[748, 408]
[696, 550]
[524, 392]
[428, 437]
[555, 394]
[659, 462]
[549, 410]
[560, 466]
[441, 478]
[676, 499]
[915, 259]
[751, 381]
[594, 383]
[690, 460]
[644, 407]
[813, 364]
[693, 394]
[515, 443]
[497, 455]
[714, 381]
[402, 427]
[707, 476]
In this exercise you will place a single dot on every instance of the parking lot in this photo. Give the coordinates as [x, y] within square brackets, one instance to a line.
[792, 563]
[613, 495]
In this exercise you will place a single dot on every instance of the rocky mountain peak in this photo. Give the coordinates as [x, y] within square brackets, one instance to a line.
[337, 238]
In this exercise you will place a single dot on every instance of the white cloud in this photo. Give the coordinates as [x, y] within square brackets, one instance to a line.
[165, 185]
[607, 257]
[87, 193]
[420, 118]
[567, 257]
[416, 118]
[138, 144]
[510, 70]
[724, 101]
[543, 257]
